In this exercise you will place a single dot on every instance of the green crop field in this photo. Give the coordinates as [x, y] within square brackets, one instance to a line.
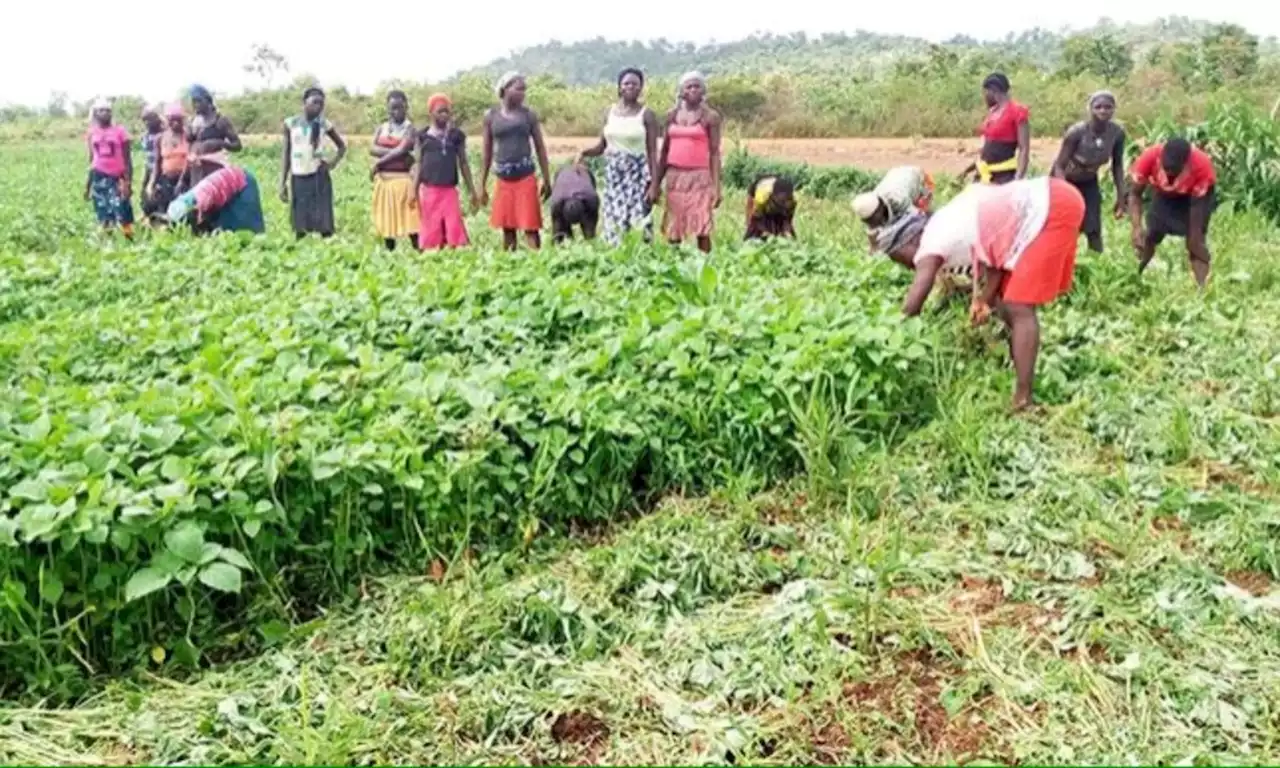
[264, 501]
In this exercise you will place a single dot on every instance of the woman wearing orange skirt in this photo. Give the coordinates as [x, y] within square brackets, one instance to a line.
[1022, 238]
[512, 135]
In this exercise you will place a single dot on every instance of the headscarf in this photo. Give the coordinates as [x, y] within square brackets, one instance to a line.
[436, 100]
[692, 76]
[1103, 94]
[200, 92]
[865, 205]
[764, 191]
[174, 110]
[507, 79]
[99, 103]
[893, 236]
[152, 109]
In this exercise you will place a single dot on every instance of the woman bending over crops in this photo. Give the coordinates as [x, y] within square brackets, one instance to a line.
[1022, 237]
[574, 201]
[771, 208]
[1086, 147]
[443, 151]
[886, 210]
[395, 204]
[110, 180]
[172, 147]
[226, 200]
[512, 135]
[210, 133]
[1006, 135]
[689, 163]
[1183, 197]
[629, 144]
[305, 169]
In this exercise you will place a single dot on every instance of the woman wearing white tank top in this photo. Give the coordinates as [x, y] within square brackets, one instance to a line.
[629, 143]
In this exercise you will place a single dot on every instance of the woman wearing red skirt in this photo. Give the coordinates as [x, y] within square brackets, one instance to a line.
[512, 135]
[442, 151]
[1022, 238]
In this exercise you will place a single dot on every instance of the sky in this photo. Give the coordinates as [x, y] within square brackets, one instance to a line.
[78, 47]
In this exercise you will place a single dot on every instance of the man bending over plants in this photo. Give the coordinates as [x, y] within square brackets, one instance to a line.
[1182, 179]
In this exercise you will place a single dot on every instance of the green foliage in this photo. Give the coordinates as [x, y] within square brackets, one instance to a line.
[196, 431]
[1103, 56]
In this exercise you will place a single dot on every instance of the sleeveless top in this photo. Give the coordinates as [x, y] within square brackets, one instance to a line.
[173, 153]
[304, 159]
[390, 136]
[689, 147]
[1092, 151]
[440, 157]
[625, 133]
[512, 148]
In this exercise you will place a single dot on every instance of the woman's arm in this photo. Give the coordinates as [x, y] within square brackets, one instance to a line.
[926, 270]
[1070, 143]
[232, 142]
[1024, 148]
[464, 168]
[540, 149]
[1117, 173]
[338, 142]
[285, 152]
[1135, 211]
[393, 153]
[713, 139]
[652, 133]
[486, 155]
[597, 149]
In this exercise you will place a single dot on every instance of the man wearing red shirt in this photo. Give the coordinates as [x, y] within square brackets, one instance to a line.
[1182, 181]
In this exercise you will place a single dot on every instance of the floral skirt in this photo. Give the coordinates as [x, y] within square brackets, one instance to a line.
[626, 205]
[691, 202]
[110, 206]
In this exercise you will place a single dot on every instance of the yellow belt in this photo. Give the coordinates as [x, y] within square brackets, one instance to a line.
[986, 170]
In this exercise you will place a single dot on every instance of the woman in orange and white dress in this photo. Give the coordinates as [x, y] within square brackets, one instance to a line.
[1021, 239]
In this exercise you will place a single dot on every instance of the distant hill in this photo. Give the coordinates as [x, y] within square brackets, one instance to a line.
[597, 61]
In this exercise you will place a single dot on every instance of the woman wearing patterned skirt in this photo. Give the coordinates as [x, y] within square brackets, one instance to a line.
[629, 144]
[395, 205]
[690, 166]
[305, 169]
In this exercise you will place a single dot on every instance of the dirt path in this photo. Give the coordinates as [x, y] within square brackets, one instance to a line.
[934, 155]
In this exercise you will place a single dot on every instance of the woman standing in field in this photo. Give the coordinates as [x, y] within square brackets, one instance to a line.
[153, 127]
[172, 148]
[690, 165]
[110, 181]
[1086, 147]
[443, 151]
[210, 133]
[1182, 180]
[629, 144]
[395, 206]
[512, 134]
[1006, 135]
[1022, 238]
[305, 170]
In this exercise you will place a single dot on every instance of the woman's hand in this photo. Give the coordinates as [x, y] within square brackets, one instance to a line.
[284, 191]
[1120, 210]
[979, 313]
[478, 201]
[546, 190]
[1139, 238]
[654, 194]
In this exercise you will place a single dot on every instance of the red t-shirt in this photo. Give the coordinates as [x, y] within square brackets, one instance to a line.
[1002, 124]
[1195, 180]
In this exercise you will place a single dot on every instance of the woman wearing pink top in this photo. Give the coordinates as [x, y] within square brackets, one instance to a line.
[690, 163]
[110, 170]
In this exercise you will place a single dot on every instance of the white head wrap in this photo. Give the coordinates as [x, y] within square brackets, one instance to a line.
[99, 103]
[507, 79]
